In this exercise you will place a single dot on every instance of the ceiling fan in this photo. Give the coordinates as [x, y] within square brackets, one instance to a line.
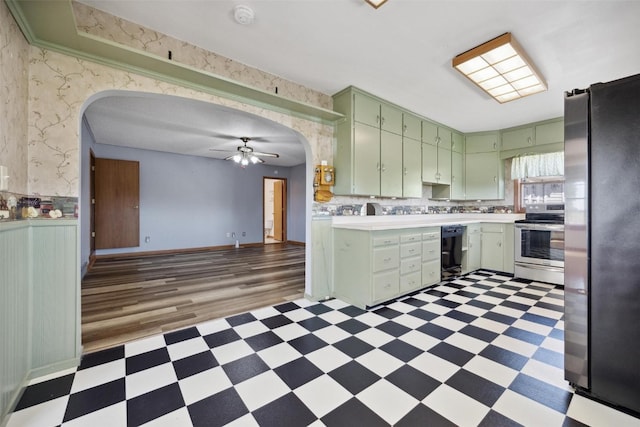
[245, 154]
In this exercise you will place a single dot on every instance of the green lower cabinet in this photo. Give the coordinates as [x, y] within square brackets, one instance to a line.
[471, 253]
[371, 267]
[497, 247]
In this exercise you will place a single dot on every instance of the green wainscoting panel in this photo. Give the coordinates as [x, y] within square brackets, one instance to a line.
[55, 278]
[14, 312]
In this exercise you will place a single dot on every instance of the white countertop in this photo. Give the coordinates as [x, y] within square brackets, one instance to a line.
[392, 222]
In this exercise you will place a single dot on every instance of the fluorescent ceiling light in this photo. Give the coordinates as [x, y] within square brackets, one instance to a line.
[376, 3]
[501, 68]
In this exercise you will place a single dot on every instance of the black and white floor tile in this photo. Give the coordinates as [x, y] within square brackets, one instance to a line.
[481, 350]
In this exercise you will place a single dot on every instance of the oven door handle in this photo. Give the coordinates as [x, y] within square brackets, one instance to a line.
[549, 227]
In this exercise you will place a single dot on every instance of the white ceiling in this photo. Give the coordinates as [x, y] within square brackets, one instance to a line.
[185, 126]
[402, 51]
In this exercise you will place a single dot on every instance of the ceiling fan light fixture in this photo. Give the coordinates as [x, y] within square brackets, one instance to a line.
[244, 161]
[237, 158]
[376, 3]
[254, 159]
[501, 68]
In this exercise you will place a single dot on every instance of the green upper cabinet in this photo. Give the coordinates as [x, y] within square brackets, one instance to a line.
[484, 170]
[457, 142]
[369, 149]
[411, 127]
[550, 133]
[457, 176]
[412, 168]
[436, 153]
[485, 142]
[390, 164]
[517, 138]
[540, 137]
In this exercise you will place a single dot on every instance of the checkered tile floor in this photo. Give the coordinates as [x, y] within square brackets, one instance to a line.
[484, 349]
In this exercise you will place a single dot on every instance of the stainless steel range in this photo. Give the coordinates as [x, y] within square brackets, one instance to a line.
[539, 244]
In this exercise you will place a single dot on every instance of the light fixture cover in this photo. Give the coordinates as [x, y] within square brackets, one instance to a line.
[501, 68]
[376, 3]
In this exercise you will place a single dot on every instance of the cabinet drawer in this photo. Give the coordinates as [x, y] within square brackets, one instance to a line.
[385, 286]
[385, 258]
[410, 265]
[430, 273]
[408, 238]
[409, 282]
[410, 249]
[431, 235]
[385, 240]
[431, 251]
[492, 228]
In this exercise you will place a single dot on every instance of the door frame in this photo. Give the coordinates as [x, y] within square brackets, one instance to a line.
[92, 208]
[284, 206]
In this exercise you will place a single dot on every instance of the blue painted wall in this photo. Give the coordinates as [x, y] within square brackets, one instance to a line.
[191, 202]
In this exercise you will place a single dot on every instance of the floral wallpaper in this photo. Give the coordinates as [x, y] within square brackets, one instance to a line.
[102, 24]
[14, 52]
[59, 86]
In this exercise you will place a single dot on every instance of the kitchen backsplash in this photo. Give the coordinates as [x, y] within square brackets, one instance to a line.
[328, 209]
[15, 206]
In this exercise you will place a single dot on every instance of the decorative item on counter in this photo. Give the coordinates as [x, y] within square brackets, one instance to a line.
[46, 206]
[32, 212]
[55, 213]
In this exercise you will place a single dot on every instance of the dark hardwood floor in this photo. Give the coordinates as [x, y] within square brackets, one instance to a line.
[125, 298]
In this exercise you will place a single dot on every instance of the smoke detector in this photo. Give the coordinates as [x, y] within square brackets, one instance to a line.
[243, 14]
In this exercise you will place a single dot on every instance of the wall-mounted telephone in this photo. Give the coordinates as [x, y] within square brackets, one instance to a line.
[324, 178]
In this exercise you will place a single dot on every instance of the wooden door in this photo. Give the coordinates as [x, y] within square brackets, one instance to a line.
[117, 194]
[92, 206]
[278, 210]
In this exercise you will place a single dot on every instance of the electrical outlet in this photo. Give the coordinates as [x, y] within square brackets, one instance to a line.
[244, 233]
[228, 234]
[147, 239]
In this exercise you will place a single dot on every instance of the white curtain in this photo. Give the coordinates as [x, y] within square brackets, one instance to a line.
[535, 165]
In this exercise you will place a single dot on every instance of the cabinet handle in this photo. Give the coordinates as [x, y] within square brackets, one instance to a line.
[404, 128]
[495, 146]
[411, 251]
[495, 179]
[378, 166]
[382, 120]
[387, 286]
[438, 140]
[529, 140]
[386, 260]
[378, 118]
[499, 244]
[405, 171]
[383, 168]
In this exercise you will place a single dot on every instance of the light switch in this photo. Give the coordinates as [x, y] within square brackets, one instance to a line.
[4, 178]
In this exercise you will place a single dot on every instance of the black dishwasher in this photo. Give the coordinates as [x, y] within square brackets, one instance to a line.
[452, 250]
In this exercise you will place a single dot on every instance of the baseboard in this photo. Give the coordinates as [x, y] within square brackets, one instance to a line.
[177, 251]
[296, 243]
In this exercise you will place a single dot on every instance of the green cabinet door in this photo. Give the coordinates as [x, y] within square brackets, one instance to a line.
[391, 119]
[482, 143]
[471, 258]
[390, 164]
[429, 133]
[429, 163]
[366, 164]
[412, 168]
[549, 133]
[457, 142]
[457, 176]
[492, 252]
[483, 176]
[444, 164]
[411, 126]
[517, 138]
[366, 110]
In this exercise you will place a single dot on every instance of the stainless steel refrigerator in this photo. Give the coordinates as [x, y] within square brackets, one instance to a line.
[602, 241]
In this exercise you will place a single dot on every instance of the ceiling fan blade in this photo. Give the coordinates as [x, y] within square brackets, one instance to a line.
[222, 151]
[274, 155]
